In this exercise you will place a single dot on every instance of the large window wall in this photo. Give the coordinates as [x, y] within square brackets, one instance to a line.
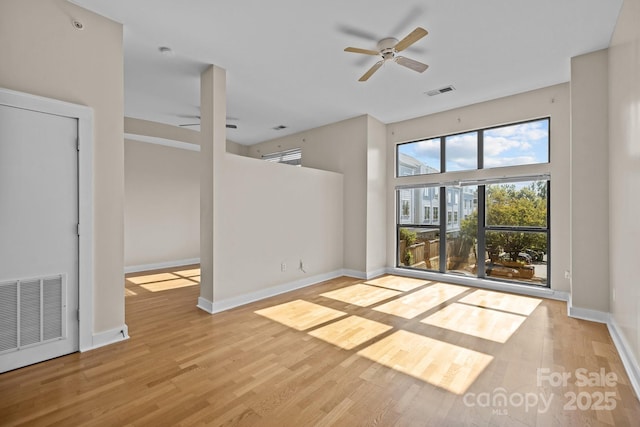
[494, 227]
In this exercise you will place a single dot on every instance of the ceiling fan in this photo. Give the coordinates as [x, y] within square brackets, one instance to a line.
[388, 49]
[228, 125]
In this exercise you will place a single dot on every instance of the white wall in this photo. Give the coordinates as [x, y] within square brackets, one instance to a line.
[376, 244]
[338, 147]
[589, 182]
[551, 101]
[624, 173]
[274, 214]
[162, 205]
[43, 54]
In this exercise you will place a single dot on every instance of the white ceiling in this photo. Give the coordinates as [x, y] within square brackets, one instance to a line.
[286, 65]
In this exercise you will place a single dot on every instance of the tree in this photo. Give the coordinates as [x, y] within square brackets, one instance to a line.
[512, 206]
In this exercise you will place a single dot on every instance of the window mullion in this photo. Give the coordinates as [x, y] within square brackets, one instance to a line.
[481, 149]
[481, 272]
[443, 231]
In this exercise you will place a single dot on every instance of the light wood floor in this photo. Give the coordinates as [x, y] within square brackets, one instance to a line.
[347, 352]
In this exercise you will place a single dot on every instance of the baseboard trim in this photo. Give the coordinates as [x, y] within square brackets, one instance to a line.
[375, 273]
[363, 275]
[483, 284]
[354, 273]
[587, 314]
[160, 265]
[229, 303]
[205, 305]
[111, 336]
[630, 363]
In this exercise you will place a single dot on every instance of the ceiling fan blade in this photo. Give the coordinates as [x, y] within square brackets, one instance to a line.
[229, 126]
[413, 37]
[411, 64]
[364, 51]
[352, 31]
[372, 70]
[411, 16]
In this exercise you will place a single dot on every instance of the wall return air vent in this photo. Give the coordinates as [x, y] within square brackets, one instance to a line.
[445, 89]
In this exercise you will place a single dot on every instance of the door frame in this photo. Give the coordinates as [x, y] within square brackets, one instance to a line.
[84, 116]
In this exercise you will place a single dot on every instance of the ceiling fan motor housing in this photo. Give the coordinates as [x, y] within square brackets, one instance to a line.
[387, 44]
[387, 48]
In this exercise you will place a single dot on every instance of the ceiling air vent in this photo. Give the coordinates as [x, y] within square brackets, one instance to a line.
[441, 90]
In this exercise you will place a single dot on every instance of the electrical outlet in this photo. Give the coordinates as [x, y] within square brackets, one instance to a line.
[283, 267]
[567, 274]
[613, 294]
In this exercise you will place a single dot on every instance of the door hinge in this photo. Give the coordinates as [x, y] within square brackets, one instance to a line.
[78, 314]
[78, 229]
[78, 144]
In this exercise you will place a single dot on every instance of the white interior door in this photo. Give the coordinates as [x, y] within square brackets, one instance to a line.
[38, 236]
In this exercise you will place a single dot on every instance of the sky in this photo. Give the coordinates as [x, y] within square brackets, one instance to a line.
[519, 144]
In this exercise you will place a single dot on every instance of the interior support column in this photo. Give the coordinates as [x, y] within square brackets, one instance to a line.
[213, 112]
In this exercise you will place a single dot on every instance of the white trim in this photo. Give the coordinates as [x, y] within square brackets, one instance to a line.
[111, 336]
[586, 313]
[162, 141]
[229, 303]
[626, 354]
[354, 273]
[363, 275]
[84, 115]
[376, 273]
[161, 265]
[533, 291]
[205, 305]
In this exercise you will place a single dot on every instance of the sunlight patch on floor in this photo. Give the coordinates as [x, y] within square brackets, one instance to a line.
[397, 283]
[416, 303]
[192, 273]
[150, 278]
[350, 332]
[300, 315]
[505, 302]
[476, 321]
[169, 284]
[444, 365]
[361, 295]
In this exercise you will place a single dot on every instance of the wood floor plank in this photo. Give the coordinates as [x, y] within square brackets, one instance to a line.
[391, 351]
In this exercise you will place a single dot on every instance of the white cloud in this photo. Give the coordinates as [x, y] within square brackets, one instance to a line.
[428, 148]
[496, 162]
[494, 146]
[533, 131]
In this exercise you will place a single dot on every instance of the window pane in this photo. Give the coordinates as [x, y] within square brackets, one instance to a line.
[521, 144]
[462, 231]
[288, 157]
[462, 152]
[519, 204]
[419, 158]
[419, 248]
[418, 206]
[516, 255]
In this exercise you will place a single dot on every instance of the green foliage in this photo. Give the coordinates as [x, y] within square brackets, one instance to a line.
[410, 238]
[508, 205]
